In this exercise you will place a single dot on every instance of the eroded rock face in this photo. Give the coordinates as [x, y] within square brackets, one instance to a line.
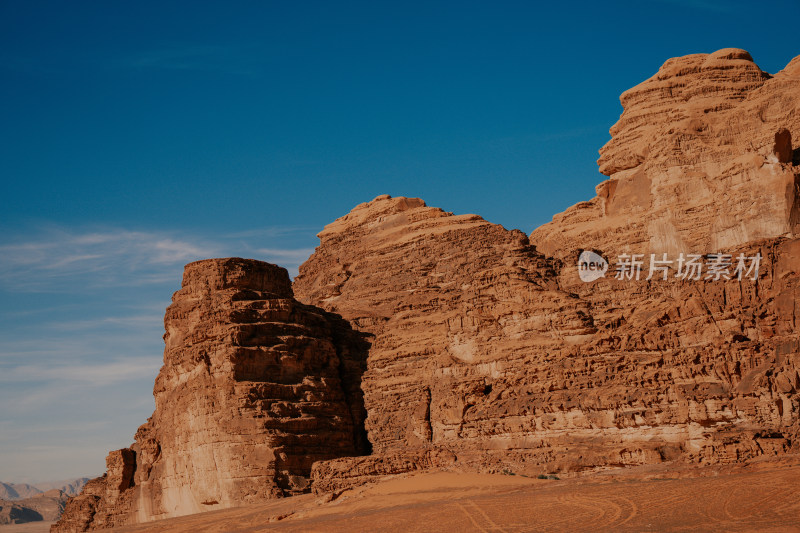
[455, 303]
[700, 161]
[487, 348]
[466, 316]
[255, 388]
[479, 353]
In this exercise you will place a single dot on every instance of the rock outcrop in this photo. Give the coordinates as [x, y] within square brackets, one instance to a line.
[478, 352]
[700, 161]
[458, 308]
[492, 349]
[255, 388]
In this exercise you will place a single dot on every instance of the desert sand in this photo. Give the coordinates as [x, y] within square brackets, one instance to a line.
[30, 527]
[759, 497]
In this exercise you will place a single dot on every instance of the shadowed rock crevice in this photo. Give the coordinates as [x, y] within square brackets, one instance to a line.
[794, 215]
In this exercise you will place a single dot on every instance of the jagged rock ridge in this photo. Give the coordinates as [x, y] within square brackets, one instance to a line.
[479, 354]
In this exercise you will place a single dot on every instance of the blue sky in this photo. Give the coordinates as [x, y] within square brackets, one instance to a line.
[136, 137]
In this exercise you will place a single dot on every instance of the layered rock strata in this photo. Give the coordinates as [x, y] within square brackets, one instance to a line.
[255, 388]
[700, 161]
[479, 353]
[495, 350]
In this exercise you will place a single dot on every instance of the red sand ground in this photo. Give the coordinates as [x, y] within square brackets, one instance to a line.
[759, 497]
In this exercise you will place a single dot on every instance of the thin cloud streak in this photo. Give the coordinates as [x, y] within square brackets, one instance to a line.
[149, 319]
[94, 258]
[83, 320]
[291, 257]
[273, 231]
[122, 258]
[54, 347]
[115, 371]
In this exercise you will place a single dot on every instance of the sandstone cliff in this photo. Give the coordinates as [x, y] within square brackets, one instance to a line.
[490, 352]
[480, 358]
[700, 161]
[255, 388]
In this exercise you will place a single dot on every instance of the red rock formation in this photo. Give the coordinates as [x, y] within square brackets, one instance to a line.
[255, 388]
[487, 352]
[478, 351]
[699, 161]
[455, 303]
[489, 349]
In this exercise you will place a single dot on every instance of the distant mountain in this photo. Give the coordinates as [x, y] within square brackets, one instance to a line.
[19, 491]
[7, 492]
[70, 487]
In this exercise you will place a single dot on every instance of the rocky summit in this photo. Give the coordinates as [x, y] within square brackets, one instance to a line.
[701, 160]
[427, 340]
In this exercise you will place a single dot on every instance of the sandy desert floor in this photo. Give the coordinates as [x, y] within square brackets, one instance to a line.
[30, 527]
[760, 497]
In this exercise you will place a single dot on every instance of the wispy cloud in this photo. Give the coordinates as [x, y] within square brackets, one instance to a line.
[82, 319]
[96, 258]
[146, 319]
[62, 367]
[105, 373]
[272, 232]
[285, 257]
[48, 345]
[61, 260]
